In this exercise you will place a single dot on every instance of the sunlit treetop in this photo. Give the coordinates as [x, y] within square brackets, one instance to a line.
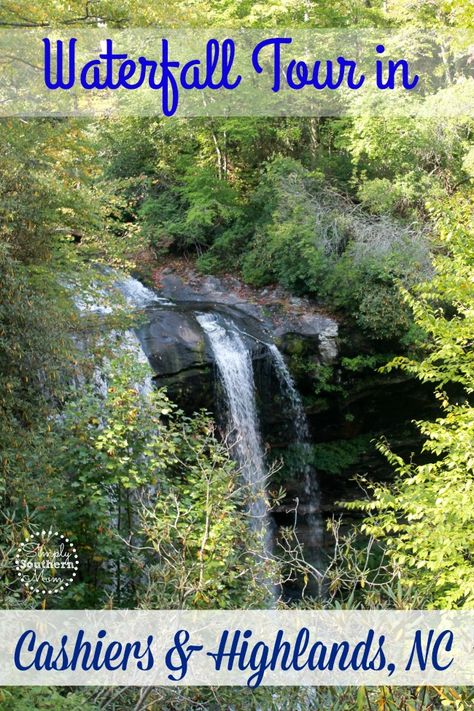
[224, 13]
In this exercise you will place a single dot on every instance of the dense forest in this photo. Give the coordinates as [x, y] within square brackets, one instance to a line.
[367, 218]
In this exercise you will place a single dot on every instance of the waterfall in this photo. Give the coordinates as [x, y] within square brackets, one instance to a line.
[302, 435]
[232, 351]
[105, 300]
[233, 358]
[137, 297]
[101, 300]
[289, 388]
[234, 362]
[136, 294]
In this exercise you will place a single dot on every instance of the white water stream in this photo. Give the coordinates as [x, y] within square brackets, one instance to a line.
[303, 440]
[234, 362]
[233, 357]
[232, 352]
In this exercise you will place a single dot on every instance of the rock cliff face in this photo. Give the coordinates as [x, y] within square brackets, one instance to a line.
[178, 350]
[216, 347]
[346, 408]
[175, 346]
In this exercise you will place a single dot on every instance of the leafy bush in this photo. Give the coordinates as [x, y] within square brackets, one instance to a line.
[426, 519]
[227, 250]
[292, 243]
[124, 466]
[35, 359]
[401, 162]
[43, 698]
[191, 214]
[45, 186]
[314, 242]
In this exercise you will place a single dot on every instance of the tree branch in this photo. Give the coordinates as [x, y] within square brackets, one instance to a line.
[88, 17]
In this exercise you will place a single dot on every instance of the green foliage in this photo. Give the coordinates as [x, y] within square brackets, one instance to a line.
[333, 458]
[291, 246]
[45, 197]
[240, 699]
[227, 250]
[399, 163]
[363, 362]
[322, 377]
[197, 527]
[89, 471]
[191, 215]
[331, 208]
[35, 359]
[314, 243]
[427, 518]
[380, 255]
[43, 698]
[277, 200]
[336, 457]
[26, 357]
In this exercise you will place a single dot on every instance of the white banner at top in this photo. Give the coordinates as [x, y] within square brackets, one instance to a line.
[280, 72]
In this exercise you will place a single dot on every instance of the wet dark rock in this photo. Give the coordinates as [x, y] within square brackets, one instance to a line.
[351, 407]
[173, 342]
[279, 315]
[179, 353]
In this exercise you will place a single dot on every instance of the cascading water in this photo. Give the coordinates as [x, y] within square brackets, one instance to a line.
[137, 295]
[289, 388]
[101, 301]
[234, 362]
[233, 358]
[106, 300]
[232, 354]
[303, 444]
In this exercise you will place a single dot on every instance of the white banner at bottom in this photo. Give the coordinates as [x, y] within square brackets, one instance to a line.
[236, 648]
